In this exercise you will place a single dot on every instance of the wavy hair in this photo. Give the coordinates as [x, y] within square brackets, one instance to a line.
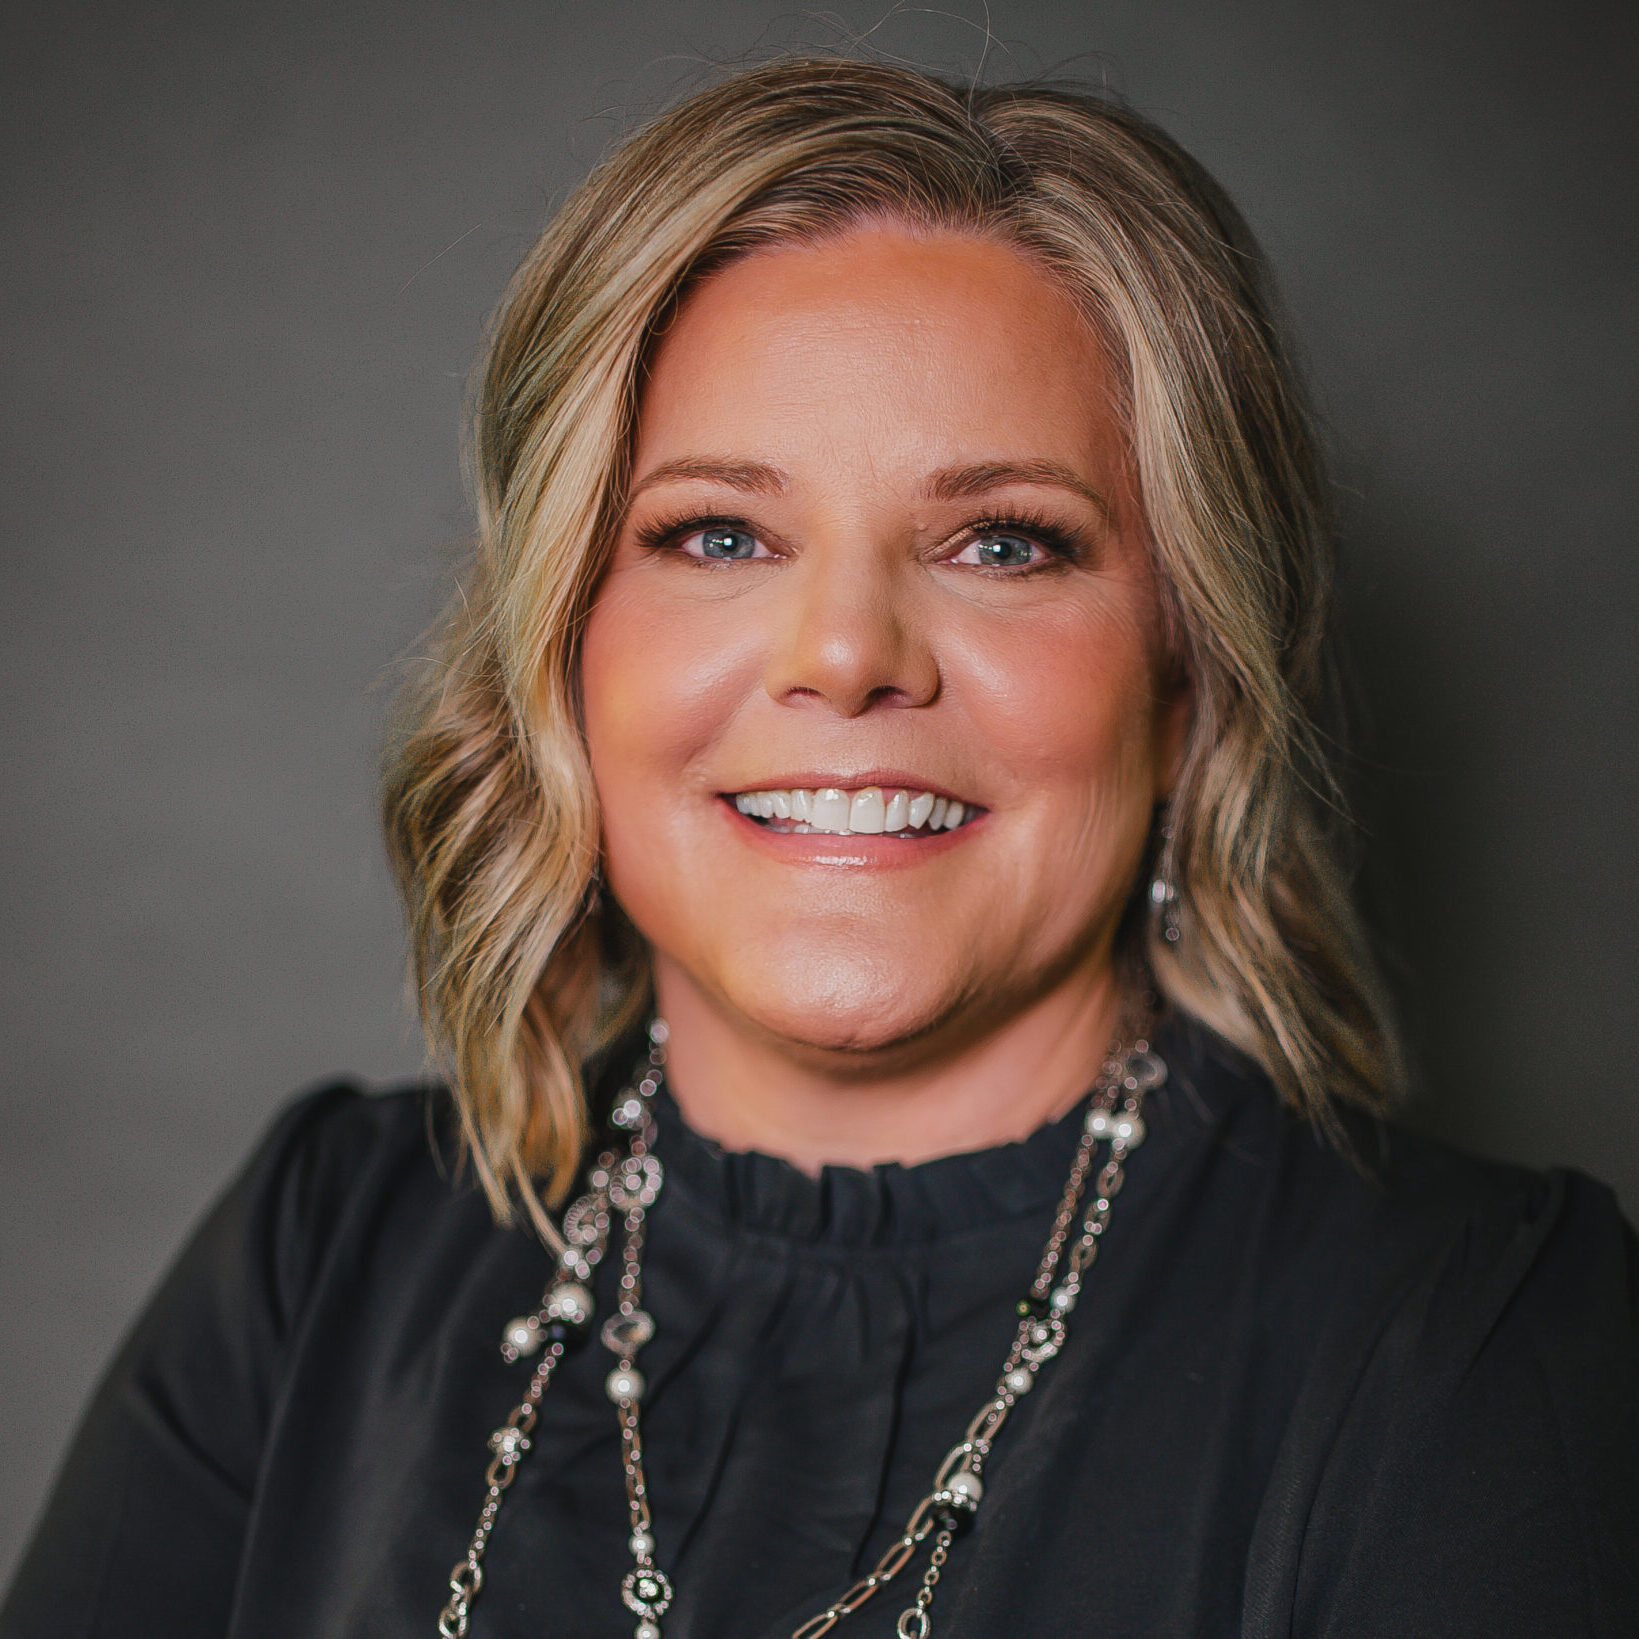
[522, 971]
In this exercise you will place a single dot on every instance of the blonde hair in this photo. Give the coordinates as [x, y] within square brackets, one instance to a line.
[491, 816]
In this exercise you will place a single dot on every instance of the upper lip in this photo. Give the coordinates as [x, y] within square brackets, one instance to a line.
[835, 780]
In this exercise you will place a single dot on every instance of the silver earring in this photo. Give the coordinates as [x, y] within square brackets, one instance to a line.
[1164, 890]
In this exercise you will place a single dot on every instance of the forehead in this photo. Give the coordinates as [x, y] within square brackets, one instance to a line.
[886, 341]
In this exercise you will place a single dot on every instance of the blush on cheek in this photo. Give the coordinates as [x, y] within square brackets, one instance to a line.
[1086, 719]
[650, 713]
[659, 682]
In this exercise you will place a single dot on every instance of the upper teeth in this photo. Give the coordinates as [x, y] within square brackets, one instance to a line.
[868, 812]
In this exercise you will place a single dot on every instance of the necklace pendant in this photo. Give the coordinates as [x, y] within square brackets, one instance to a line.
[586, 1222]
[1044, 1339]
[624, 1335]
[957, 1501]
[647, 1592]
[628, 1113]
[521, 1337]
[509, 1443]
[575, 1264]
[1124, 1127]
[636, 1182]
[571, 1304]
[1144, 1070]
[624, 1385]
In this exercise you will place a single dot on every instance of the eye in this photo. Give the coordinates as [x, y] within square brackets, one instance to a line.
[1001, 549]
[723, 543]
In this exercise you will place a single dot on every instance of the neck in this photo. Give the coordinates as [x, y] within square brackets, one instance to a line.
[749, 1090]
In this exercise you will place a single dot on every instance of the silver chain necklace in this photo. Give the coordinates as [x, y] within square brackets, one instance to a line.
[627, 1185]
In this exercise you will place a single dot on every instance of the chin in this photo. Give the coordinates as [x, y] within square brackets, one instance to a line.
[839, 1007]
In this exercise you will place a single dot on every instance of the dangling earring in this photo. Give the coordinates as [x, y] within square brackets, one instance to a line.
[1164, 890]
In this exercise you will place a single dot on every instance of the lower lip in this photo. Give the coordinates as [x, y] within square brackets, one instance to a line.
[828, 848]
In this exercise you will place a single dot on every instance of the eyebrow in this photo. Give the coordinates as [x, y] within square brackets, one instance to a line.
[754, 477]
[960, 483]
[948, 484]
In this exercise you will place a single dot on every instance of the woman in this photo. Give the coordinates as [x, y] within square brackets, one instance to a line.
[892, 666]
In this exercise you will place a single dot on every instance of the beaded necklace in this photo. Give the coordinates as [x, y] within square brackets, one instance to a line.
[627, 1184]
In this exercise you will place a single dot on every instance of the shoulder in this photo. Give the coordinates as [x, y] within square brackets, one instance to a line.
[1383, 1204]
[336, 1165]
[328, 1141]
[345, 1120]
[325, 1142]
[1467, 1408]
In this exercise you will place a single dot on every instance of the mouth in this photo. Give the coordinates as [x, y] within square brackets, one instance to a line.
[900, 812]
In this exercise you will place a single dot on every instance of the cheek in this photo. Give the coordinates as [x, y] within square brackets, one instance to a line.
[631, 742]
[1076, 714]
[660, 688]
[654, 693]
[1069, 703]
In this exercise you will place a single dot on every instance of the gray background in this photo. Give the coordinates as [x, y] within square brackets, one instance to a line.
[248, 251]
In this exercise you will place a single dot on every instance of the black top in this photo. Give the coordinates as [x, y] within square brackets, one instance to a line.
[1300, 1397]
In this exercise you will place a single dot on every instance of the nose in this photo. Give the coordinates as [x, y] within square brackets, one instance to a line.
[853, 634]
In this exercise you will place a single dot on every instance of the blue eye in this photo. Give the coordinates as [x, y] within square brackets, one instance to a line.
[996, 550]
[726, 544]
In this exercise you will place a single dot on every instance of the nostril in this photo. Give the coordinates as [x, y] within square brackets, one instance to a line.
[852, 660]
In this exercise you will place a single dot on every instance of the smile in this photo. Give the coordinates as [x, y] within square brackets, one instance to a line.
[871, 811]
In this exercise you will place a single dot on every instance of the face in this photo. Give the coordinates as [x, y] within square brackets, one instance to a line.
[875, 691]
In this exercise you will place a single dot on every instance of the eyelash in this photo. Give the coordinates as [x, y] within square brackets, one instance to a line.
[1063, 546]
[667, 532]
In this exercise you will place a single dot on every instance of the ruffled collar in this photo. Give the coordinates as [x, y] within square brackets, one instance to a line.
[854, 1207]
[885, 1205]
